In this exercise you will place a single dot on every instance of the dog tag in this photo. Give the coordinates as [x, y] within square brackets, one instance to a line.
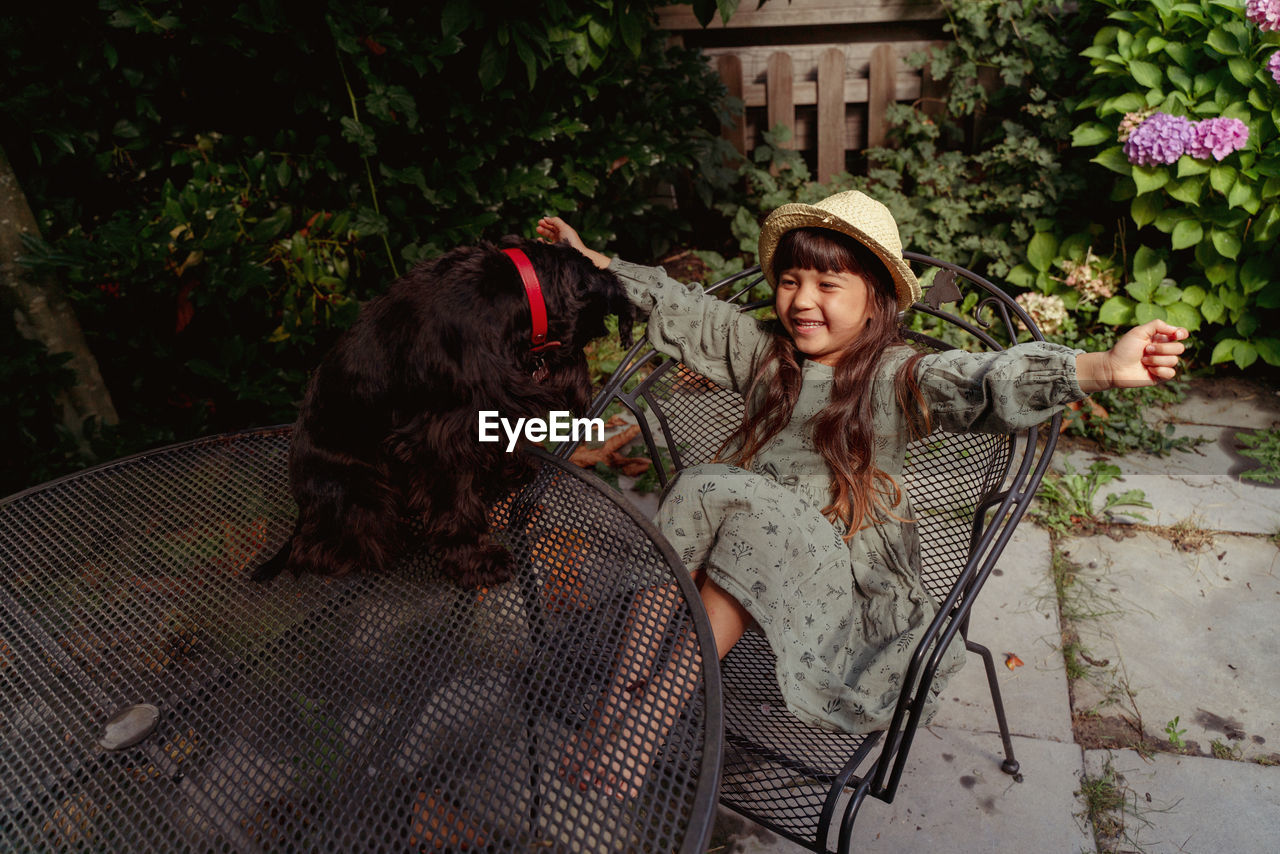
[540, 373]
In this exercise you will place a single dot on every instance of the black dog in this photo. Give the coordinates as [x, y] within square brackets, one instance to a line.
[386, 438]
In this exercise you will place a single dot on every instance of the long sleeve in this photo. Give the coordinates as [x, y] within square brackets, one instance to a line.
[708, 334]
[1001, 392]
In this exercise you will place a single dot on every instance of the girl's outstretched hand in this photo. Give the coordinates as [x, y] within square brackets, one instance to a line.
[553, 229]
[1144, 356]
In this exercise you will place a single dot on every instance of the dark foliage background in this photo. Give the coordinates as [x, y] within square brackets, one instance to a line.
[220, 185]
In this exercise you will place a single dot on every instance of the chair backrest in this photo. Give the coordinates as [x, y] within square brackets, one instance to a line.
[372, 712]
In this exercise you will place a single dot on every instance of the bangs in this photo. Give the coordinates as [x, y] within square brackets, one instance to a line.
[829, 252]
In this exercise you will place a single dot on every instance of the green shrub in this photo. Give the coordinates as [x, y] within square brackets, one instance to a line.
[218, 192]
[1212, 225]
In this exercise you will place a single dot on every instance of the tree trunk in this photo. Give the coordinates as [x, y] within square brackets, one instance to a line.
[42, 312]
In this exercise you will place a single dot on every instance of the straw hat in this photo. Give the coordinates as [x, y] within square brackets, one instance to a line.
[855, 214]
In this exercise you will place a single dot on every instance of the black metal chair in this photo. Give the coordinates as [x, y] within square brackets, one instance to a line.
[152, 698]
[969, 492]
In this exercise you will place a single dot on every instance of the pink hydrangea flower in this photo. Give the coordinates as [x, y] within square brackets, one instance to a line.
[1264, 13]
[1273, 65]
[1217, 138]
[1161, 139]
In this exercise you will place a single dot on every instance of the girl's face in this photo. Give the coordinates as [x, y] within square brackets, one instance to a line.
[823, 312]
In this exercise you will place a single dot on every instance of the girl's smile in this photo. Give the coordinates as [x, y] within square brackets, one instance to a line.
[822, 311]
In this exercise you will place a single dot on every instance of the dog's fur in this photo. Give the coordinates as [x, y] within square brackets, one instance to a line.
[387, 433]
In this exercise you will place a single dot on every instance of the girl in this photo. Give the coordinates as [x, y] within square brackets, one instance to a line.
[805, 529]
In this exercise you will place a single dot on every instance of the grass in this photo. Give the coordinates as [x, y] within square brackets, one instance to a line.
[1114, 810]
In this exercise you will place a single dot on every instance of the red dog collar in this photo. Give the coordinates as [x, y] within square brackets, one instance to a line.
[537, 305]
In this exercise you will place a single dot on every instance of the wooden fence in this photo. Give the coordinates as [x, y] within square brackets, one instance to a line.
[826, 69]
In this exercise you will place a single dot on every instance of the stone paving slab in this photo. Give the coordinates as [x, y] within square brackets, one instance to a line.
[954, 798]
[1016, 612]
[1217, 502]
[1229, 403]
[1192, 804]
[1195, 637]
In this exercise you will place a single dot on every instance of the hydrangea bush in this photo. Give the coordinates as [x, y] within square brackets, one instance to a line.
[1186, 115]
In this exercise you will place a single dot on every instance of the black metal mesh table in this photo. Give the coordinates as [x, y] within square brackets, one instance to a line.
[394, 712]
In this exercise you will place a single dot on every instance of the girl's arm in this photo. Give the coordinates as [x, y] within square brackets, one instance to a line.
[707, 334]
[1144, 356]
[555, 230]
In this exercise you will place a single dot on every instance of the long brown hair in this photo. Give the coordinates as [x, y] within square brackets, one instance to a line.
[842, 432]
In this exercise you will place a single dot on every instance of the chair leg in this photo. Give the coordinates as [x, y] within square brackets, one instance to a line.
[1010, 765]
[851, 815]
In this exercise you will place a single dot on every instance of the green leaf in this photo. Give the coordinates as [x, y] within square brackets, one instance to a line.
[1021, 276]
[1145, 312]
[632, 27]
[1232, 298]
[1180, 78]
[456, 17]
[1188, 190]
[1222, 178]
[1129, 102]
[1223, 42]
[1149, 178]
[1256, 273]
[1244, 194]
[1167, 294]
[1148, 266]
[1242, 70]
[1169, 218]
[1188, 166]
[1140, 291]
[1226, 242]
[1193, 295]
[1113, 158]
[1212, 308]
[1245, 354]
[1181, 314]
[1144, 208]
[1116, 311]
[599, 33]
[1268, 349]
[1224, 350]
[1042, 250]
[1187, 232]
[493, 64]
[1184, 55]
[1147, 74]
[1091, 133]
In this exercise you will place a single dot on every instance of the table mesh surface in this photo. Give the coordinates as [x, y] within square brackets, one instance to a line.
[396, 712]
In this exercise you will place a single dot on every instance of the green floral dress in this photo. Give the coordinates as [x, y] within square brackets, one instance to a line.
[841, 617]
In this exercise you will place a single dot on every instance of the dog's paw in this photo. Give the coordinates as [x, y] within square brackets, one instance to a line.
[482, 565]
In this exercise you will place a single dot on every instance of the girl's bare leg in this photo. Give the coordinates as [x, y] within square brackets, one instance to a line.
[640, 707]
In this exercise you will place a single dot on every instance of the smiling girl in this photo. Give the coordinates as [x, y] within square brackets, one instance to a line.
[803, 527]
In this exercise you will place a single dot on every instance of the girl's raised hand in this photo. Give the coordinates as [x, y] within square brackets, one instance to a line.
[1144, 356]
[555, 230]
[1147, 355]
